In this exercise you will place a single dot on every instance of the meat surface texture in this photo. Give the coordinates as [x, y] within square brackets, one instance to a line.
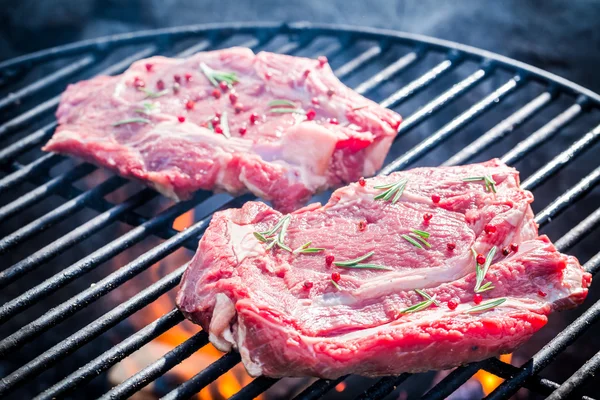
[281, 127]
[284, 314]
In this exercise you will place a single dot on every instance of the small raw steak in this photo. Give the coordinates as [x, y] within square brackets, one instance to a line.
[423, 269]
[281, 127]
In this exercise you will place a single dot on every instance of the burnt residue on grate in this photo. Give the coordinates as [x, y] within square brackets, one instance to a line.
[90, 261]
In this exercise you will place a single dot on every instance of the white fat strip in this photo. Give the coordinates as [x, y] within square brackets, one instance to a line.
[243, 241]
[432, 314]
[219, 332]
[254, 368]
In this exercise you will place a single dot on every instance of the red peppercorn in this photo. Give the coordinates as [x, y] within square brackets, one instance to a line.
[541, 293]
[188, 77]
[238, 108]
[435, 198]
[306, 73]
[489, 229]
[181, 118]
[329, 260]
[218, 129]
[333, 121]
[176, 87]
[233, 97]
[268, 75]
[149, 67]
[253, 118]
[137, 82]
[480, 259]
[190, 105]
[177, 78]
[217, 114]
[160, 85]
[505, 251]
[514, 247]
[322, 60]
[396, 124]
[308, 285]
[362, 181]
[477, 299]
[452, 304]
[362, 225]
[451, 246]
[223, 85]
[215, 120]
[330, 92]
[216, 93]
[427, 217]
[243, 130]
[311, 114]
[335, 276]
[315, 101]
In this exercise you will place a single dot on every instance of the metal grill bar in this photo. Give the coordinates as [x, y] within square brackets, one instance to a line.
[30, 90]
[579, 231]
[452, 382]
[542, 134]
[9, 153]
[501, 130]
[30, 116]
[354, 64]
[562, 159]
[158, 368]
[204, 377]
[114, 355]
[319, 388]
[391, 70]
[42, 164]
[577, 379]
[452, 127]
[255, 388]
[383, 387]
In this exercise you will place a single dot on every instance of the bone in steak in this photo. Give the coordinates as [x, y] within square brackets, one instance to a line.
[286, 317]
[210, 122]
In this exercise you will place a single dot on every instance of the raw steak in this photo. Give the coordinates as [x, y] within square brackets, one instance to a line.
[285, 315]
[281, 127]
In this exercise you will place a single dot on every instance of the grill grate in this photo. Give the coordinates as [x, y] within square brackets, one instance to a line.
[388, 84]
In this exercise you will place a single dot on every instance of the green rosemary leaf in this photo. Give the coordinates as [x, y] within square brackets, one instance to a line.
[394, 190]
[284, 110]
[474, 179]
[260, 237]
[486, 306]
[310, 250]
[360, 107]
[334, 283]
[488, 182]
[283, 246]
[367, 266]
[420, 239]
[423, 234]
[148, 108]
[399, 192]
[417, 307]
[210, 126]
[422, 293]
[484, 268]
[225, 125]
[132, 121]
[152, 95]
[208, 72]
[353, 262]
[386, 186]
[272, 231]
[412, 241]
[284, 103]
[485, 287]
[215, 76]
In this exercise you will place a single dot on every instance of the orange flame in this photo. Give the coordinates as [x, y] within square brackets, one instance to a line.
[488, 381]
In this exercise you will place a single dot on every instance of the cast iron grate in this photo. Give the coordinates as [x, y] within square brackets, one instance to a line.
[390, 67]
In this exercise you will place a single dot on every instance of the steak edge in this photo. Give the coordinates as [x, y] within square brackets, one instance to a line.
[178, 133]
[284, 315]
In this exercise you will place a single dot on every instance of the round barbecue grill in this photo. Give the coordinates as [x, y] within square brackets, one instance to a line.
[56, 340]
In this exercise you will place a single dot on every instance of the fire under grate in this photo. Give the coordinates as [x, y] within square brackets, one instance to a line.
[542, 124]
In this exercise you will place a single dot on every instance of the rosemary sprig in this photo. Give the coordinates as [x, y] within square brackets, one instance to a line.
[360, 107]
[215, 76]
[132, 121]
[429, 300]
[413, 241]
[153, 95]
[282, 103]
[482, 271]
[211, 126]
[488, 181]
[305, 248]
[394, 190]
[225, 125]
[486, 306]
[427, 297]
[421, 236]
[350, 263]
[334, 283]
[148, 108]
[278, 238]
[367, 266]
[284, 110]
[485, 287]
